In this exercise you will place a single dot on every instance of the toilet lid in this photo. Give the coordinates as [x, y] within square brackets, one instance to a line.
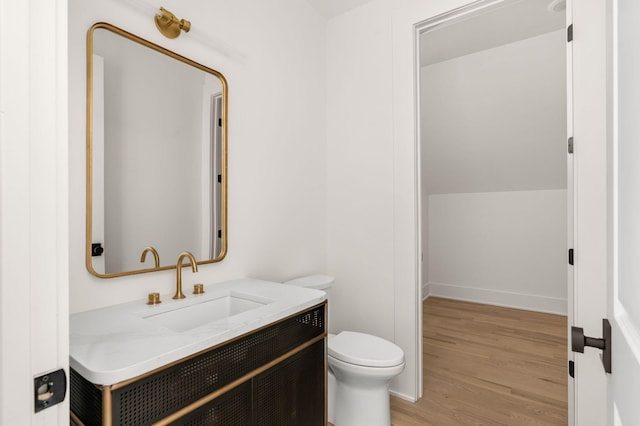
[365, 349]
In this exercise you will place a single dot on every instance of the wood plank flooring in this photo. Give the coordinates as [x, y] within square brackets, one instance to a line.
[487, 365]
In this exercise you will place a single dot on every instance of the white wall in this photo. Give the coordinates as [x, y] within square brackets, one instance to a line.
[371, 181]
[360, 213]
[502, 248]
[276, 147]
[496, 120]
[360, 166]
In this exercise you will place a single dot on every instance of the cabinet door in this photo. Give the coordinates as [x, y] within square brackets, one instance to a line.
[231, 409]
[292, 392]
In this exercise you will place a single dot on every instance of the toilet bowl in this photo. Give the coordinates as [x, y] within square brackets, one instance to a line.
[360, 369]
[363, 365]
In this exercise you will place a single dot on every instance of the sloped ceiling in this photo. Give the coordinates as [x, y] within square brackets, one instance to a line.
[495, 26]
[493, 101]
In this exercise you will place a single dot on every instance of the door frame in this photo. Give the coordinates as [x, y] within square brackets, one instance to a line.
[587, 118]
[418, 29]
[591, 163]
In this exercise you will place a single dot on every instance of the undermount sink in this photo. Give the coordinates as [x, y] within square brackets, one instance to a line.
[185, 317]
[116, 343]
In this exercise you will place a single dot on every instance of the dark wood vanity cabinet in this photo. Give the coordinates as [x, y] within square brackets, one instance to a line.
[275, 375]
[301, 401]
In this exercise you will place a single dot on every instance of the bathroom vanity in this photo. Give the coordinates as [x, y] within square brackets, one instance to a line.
[243, 352]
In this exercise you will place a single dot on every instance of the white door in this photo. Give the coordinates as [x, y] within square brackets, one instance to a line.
[606, 100]
[33, 210]
[624, 293]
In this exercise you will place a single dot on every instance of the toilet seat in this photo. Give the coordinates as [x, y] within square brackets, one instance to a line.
[364, 350]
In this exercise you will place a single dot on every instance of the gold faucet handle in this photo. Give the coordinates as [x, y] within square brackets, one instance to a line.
[153, 299]
[198, 288]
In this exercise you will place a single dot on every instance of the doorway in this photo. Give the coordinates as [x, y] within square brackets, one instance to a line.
[493, 155]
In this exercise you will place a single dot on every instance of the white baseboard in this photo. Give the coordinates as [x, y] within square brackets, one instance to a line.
[402, 396]
[425, 291]
[529, 302]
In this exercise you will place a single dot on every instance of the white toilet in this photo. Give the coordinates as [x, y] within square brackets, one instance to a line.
[360, 369]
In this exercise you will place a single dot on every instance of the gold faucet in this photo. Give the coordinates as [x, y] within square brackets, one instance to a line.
[156, 257]
[194, 268]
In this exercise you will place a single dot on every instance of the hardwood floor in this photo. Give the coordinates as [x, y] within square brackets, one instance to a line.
[487, 365]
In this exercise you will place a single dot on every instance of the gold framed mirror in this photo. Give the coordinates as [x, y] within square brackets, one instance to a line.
[156, 156]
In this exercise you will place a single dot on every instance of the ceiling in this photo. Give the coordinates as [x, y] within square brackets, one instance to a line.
[331, 8]
[495, 26]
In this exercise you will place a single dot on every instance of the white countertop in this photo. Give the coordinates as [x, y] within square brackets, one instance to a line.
[116, 343]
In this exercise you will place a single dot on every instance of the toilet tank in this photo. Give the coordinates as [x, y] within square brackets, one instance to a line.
[319, 282]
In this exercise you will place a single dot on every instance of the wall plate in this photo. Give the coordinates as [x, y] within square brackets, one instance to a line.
[49, 389]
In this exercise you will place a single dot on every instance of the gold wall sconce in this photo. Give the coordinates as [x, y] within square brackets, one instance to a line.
[169, 25]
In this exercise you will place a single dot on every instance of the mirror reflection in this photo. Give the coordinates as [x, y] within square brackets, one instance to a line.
[156, 156]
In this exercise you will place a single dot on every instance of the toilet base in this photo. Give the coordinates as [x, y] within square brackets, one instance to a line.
[361, 407]
[359, 396]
